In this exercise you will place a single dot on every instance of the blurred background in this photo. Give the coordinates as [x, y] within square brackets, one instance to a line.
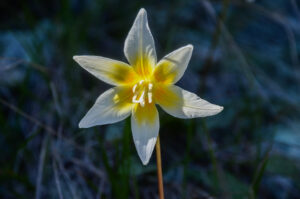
[246, 58]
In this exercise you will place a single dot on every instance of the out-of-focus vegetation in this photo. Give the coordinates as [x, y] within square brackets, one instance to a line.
[246, 58]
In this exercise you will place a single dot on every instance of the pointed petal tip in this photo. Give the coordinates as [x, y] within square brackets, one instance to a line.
[76, 58]
[80, 125]
[142, 11]
[220, 108]
[83, 124]
[79, 58]
[145, 161]
[190, 46]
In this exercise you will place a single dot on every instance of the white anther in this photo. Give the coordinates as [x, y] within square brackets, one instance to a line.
[134, 99]
[142, 96]
[139, 91]
[141, 100]
[134, 87]
[150, 86]
[150, 98]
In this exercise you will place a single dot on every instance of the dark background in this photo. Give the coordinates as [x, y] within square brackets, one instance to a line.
[246, 58]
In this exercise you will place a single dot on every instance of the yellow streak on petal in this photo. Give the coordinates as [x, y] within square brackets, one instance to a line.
[164, 95]
[164, 72]
[146, 114]
[144, 66]
[123, 75]
[123, 98]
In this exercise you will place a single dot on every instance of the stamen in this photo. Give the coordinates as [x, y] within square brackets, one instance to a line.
[142, 91]
[150, 86]
[134, 99]
[142, 96]
[142, 99]
[134, 87]
[150, 97]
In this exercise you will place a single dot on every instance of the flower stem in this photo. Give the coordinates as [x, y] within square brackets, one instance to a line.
[159, 170]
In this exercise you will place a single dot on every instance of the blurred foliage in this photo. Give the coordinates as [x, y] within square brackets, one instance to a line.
[246, 58]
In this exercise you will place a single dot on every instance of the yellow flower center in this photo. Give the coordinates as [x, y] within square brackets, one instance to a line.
[142, 92]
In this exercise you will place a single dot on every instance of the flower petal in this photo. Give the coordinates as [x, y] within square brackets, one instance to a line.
[183, 104]
[108, 70]
[139, 46]
[171, 68]
[111, 106]
[145, 127]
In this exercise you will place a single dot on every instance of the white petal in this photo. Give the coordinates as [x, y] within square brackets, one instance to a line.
[139, 42]
[108, 70]
[110, 107]
[184, 104]
[172, 67]
[145, 127]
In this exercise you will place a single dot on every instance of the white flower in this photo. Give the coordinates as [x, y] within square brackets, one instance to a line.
[140, 85]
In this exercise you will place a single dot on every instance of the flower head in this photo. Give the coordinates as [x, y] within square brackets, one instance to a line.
[140, 85]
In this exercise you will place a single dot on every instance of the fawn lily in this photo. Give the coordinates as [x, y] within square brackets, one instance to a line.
[141, 85]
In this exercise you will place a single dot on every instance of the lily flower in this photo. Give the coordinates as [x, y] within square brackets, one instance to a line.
[140, 85]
